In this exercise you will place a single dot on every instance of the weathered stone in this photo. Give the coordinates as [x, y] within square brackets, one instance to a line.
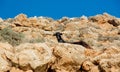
[40, 51]
[6, 54]
[32, 54]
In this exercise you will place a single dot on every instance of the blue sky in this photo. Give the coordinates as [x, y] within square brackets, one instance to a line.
[58, 8]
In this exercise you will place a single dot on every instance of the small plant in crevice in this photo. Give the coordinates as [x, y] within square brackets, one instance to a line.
[10, 36]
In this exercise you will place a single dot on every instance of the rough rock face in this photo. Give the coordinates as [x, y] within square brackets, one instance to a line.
[28, 44]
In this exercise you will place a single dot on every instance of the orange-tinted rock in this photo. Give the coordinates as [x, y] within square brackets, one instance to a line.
[39, 50]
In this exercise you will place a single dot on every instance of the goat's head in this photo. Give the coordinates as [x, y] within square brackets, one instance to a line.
[57, 34]
[59, 38]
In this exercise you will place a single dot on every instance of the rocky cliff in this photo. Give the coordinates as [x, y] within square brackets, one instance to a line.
[28, 44]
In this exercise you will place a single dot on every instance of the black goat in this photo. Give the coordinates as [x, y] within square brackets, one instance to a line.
[59, 38]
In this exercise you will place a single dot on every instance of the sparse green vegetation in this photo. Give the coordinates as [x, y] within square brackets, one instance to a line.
[37, 40]
[10, 36]
[108, 38]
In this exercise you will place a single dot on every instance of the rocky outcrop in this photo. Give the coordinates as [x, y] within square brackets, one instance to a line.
[28, 45]
[57, 57]
[6, 53]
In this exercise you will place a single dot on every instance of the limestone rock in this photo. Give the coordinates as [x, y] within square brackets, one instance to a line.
[39, 50]
[32, 54]
[15, 70]
[6, 54]
[68, 57]
[101, 19]
[89, 67]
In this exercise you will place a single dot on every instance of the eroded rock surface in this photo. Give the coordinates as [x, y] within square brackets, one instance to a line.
[35, 49]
